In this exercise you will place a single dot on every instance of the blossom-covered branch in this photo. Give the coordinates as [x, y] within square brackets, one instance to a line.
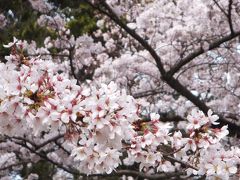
[168, 76]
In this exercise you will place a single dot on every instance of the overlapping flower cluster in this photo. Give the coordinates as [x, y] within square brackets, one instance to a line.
[203, 148]
[146, 149]
[35, 97]
[100, 124]
[108, 115]
[199, 148]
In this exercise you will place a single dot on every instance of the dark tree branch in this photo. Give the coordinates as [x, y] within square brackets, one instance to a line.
[220, 7]
[42, 154]
[53, 139]
[185, 164]
[71, 64]
[227, 14]
[61, 147]
[230, 16]
[23, 142]
[38, 146]
[149, 93]
[176, 67]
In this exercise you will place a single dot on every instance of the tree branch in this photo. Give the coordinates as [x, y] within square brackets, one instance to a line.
[38, 146]
[227, 14]
[71, 64]
[149, 93]
[117, 173]
[44, 156]
[230, 16]
[176, 67]
[53, 139]
[179, 161]
[220, 7]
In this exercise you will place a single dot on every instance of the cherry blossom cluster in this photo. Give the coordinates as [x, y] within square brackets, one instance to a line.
[41, 6]
[36, 98]
[102, 122]
[200, 147]
[25, 90]
[107, 121]
[205, 149]
[145, 149]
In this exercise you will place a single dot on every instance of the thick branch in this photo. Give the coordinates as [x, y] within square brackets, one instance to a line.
[230, 16]
[199, 52]
[175, 84]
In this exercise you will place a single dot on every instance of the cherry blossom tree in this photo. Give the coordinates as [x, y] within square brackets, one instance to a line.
[150, 91]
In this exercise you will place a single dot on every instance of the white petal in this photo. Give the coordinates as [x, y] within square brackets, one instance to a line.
[65, 118]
